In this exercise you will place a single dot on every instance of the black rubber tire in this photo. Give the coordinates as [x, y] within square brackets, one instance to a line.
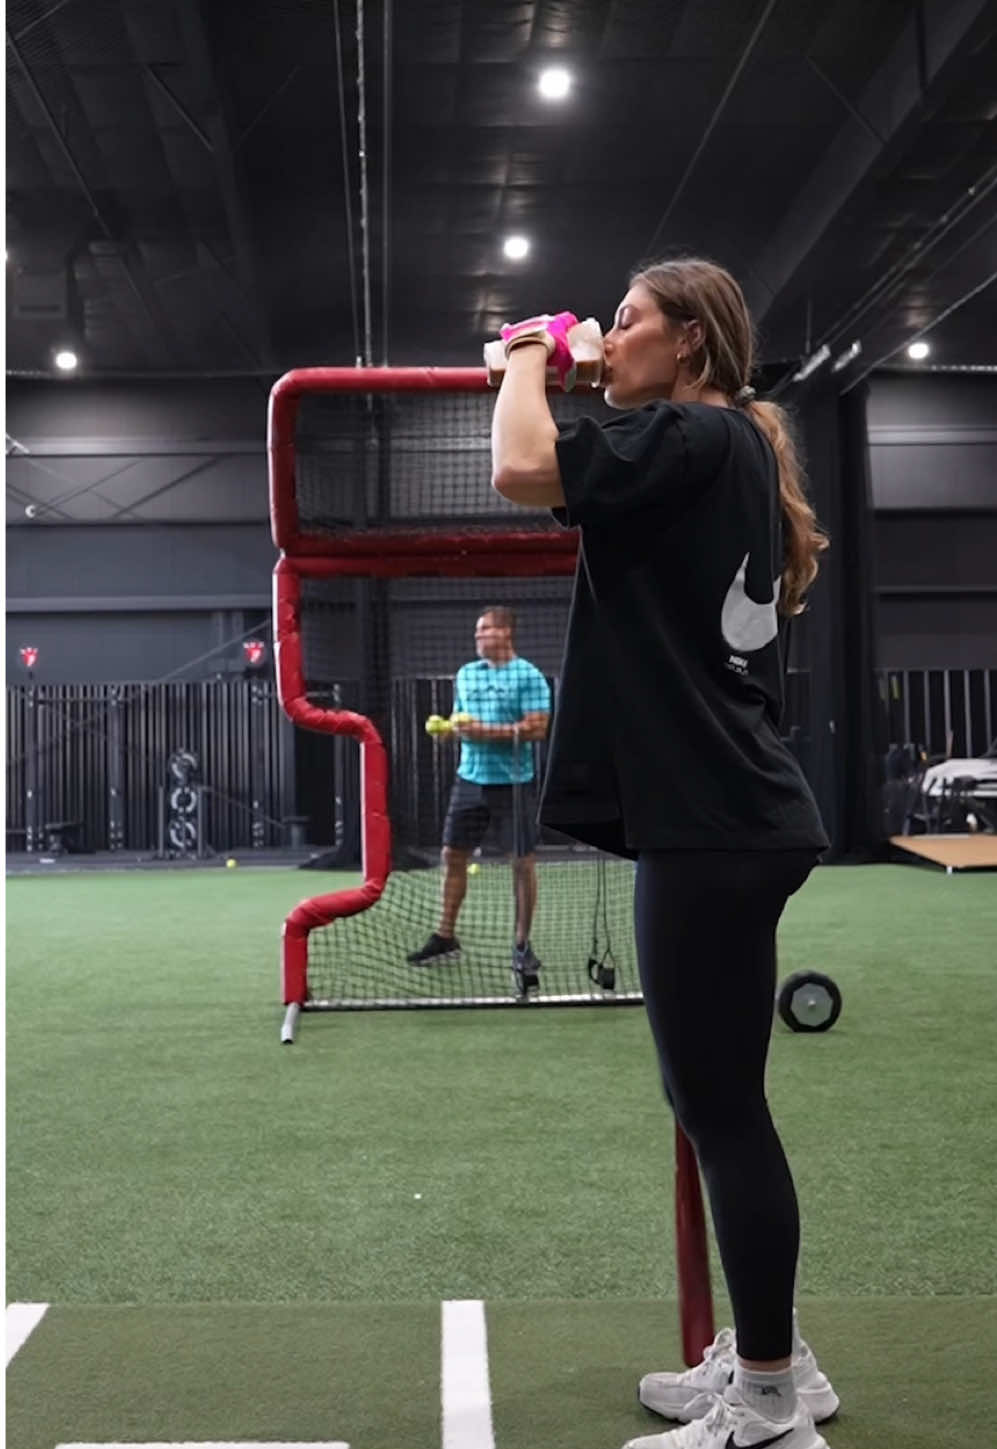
[809, 1001]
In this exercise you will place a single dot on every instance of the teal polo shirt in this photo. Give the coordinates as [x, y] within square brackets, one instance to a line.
[499, 694]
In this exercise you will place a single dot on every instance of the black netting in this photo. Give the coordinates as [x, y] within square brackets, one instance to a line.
[390, 649]
[407, 461]
[582, 934]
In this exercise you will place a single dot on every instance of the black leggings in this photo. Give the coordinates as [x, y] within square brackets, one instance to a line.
[705, 925]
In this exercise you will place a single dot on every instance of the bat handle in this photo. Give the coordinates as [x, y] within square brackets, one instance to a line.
[692, 1254]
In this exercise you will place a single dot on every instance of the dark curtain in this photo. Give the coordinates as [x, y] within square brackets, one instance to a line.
[839, 636]
[864, 743]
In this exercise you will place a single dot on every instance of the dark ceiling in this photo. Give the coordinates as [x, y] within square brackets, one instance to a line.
[184, 186]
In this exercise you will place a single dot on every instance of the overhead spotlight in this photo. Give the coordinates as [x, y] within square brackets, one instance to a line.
[844, 358]
[516, 248]
[66, 360]
[918, 351]
[555, 83]
[812, 363]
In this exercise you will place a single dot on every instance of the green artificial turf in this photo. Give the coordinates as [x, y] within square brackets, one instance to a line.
[910, 1376]
[163, 1148]
[205, 1373]
[562, 1375]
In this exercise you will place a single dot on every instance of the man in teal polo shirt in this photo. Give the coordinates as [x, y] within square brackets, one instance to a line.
[508, 700]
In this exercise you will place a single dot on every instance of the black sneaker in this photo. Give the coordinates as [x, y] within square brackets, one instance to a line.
[436, 950]
[525, 971]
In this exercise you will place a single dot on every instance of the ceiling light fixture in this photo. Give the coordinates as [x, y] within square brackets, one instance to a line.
[918, 351]
[812, 363]
[844, 358]
[555, 83]
[516, 248]
[65, 360]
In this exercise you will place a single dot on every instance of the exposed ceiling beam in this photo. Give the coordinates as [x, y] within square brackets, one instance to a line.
[906, 340]
[896, 97]
[718, 110]
[267, 106]
[219, 132]
[134, 507]
[145, 294]
[888, 286]
[41, 19]
[76, 489]
[181, 110]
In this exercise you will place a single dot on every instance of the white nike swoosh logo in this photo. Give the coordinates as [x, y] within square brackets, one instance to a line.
[747, 626]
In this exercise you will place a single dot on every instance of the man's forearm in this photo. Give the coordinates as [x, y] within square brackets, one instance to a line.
[507, 732]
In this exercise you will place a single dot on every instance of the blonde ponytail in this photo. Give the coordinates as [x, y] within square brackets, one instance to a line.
[692, 289]
[803, 537]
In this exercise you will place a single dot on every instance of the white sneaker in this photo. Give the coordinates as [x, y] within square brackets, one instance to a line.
[730, 1424]
[689, 1395]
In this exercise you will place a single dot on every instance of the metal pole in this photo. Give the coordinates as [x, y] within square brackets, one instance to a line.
[256, 762]
[115, 772]
[32, 832]
[198, 795]
[368, 351]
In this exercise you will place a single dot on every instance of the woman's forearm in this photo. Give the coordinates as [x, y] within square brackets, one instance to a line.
[524, 463]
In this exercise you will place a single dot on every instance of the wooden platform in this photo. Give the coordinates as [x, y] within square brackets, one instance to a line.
[954, 852]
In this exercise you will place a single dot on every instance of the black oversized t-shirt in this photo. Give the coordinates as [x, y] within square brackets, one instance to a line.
[666, 731]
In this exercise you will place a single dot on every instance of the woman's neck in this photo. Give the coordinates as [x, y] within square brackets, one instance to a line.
[684, 392]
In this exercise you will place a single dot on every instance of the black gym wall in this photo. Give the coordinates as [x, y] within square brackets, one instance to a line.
[151, 545]
[933, 456]
[149, 552]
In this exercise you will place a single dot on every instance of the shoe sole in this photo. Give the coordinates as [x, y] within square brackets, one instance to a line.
[822, 1403]
[439, 960]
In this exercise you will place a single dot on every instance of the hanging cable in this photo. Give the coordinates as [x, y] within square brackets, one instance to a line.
[364, 190]
[886, 286]
[923, 332]
[385, 186]
[718, 111]
[350, 250]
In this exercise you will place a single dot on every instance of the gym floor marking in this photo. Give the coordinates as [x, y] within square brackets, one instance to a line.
[466, 1398]
[21, 1321]
[466, 1393]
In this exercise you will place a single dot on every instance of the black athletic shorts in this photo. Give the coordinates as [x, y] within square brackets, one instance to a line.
[505, 814]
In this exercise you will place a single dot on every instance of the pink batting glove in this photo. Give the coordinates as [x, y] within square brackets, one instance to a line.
[552, 331]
